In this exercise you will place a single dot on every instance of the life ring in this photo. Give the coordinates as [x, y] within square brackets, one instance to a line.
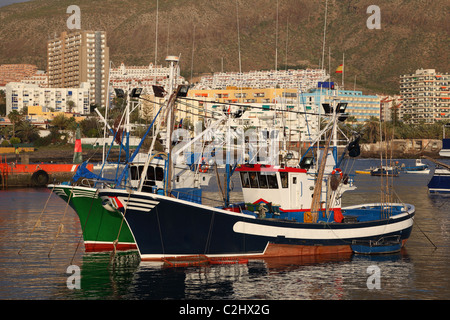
[203, 166]
[40, 178]
[337, 170]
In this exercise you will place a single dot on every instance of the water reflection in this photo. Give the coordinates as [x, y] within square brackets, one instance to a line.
[327, 277]
[418, 272]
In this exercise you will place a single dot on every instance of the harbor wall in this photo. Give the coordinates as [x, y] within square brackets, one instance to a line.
[27, 179]
[402, 148]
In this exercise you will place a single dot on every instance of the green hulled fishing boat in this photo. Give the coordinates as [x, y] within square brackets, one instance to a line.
[102, 230]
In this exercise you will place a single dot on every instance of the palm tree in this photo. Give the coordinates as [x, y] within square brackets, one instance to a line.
[371, 129]
[27, 131]
[60, 121]
[70, 104]
[15, 117]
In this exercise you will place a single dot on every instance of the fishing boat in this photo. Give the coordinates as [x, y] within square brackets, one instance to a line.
[287, 211]
[440, 181]
[104, 230]
[419, 167]
[445, 151]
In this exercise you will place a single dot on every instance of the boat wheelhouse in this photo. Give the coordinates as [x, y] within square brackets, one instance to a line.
[282, 192]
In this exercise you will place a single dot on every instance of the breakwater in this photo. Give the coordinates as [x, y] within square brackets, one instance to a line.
[402, 148]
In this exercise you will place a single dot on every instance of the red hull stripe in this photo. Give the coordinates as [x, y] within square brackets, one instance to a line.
[108, 246]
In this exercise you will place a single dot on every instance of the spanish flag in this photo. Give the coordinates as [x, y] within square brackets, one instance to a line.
[340, 68]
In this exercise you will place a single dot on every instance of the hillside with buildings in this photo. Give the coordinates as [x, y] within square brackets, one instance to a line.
[204, 33]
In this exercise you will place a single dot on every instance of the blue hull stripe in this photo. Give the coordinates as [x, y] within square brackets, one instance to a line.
[176, 227]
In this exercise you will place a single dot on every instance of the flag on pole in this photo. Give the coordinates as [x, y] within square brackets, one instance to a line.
[77, 154]
[340, 68]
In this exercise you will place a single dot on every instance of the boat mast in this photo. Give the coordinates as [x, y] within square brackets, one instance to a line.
[170, 122]
[315, 203]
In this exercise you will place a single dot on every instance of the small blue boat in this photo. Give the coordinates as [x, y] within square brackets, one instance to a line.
[384, 245]
[419, 167]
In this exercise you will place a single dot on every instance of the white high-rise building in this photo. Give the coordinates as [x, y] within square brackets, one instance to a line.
[425, 96]
[20, 95]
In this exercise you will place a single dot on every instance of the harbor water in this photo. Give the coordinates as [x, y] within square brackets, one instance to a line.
[41, 245]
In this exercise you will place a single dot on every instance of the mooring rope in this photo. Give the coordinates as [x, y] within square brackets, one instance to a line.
[61, 225]
[38, 221]
[115, 242]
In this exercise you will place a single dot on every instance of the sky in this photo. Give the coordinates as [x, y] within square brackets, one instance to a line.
[8, 2]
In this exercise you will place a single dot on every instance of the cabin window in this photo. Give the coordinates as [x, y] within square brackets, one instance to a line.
[294, 180]
[266, 180]
[262, 177]
[159, 174]
[150, 173]
[245, 180]
[253, 180]
[284, 179]
[272, 181]
[134, 173]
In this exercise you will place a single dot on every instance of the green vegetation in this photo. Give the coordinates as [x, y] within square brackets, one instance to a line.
[371, 130]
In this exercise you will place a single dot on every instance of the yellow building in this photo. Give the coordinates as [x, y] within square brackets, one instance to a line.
[41, 114]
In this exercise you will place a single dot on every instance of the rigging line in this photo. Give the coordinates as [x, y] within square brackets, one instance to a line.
[208, 239]
[324, 33]
[115, 242]
[160, 232]
[254, 107]
[239, 40]
[416, 223]
[38, 221]
[61, 226]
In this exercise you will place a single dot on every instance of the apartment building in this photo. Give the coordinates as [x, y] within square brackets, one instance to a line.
[390, 108]
[16, 72]
[143, 77]
[425, 96]
[20, 95]
[77, 57]
[359, 105]
[40, 78]
[302, 79]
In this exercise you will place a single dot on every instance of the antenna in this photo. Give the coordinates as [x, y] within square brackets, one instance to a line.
[324, 33]
[156, 36]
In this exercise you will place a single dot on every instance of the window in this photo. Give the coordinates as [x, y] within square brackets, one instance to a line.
[253, 180]
[245, 180]
[159, 173]
[284, 179]
[272, 181]
[262, 177]
[150, 173]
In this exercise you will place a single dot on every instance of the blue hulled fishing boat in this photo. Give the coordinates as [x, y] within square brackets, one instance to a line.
[287, 211]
